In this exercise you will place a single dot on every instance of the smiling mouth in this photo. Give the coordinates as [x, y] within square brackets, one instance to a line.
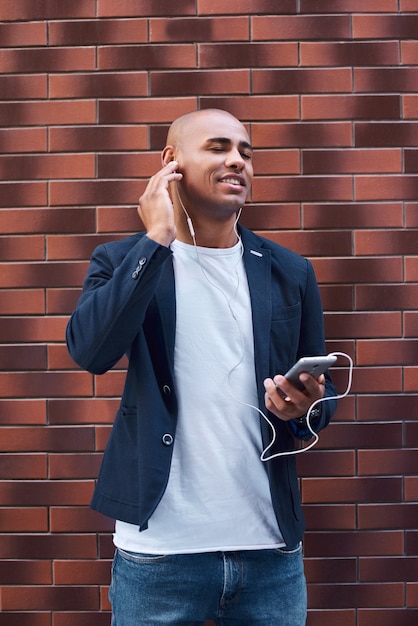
[237, 182]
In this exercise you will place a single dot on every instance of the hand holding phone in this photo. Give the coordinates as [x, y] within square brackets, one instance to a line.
[313, 365]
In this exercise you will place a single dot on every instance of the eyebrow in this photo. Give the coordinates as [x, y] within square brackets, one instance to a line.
[225, 140]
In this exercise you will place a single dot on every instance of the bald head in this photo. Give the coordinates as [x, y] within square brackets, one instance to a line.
[182, 126]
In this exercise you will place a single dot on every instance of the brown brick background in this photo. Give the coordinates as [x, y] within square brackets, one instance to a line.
[329, 91]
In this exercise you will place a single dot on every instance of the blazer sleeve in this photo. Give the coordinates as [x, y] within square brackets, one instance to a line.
[116, 293]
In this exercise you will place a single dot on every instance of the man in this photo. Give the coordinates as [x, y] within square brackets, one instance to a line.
[207, 313]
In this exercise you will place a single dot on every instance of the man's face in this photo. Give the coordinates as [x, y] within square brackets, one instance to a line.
[215, 158]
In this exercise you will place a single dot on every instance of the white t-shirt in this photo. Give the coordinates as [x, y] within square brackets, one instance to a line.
[218, 496]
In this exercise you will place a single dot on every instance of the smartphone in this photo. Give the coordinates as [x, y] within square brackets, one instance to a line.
[314, 365]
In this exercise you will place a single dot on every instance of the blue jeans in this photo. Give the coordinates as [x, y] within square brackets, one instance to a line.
[247, 588]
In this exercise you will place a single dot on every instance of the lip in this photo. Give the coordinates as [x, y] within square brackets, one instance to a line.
[234, 180]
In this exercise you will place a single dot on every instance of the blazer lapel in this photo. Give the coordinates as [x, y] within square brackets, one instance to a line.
[258, 267]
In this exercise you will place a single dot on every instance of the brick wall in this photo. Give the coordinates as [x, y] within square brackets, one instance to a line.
[329, 90]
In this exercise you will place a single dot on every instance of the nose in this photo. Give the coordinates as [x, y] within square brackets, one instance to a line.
[235, 159]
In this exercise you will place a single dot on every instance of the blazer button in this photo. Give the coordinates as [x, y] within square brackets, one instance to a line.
[167, 390]
[167, 439]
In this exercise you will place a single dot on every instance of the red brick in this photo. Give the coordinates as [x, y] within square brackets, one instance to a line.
[195, 29]
[294, 135]
[386, 188]
[21, 302]
[47, 113]
[253, 108]
[312, 243]
[23, 618]
[23, 140]
[47, 546]
[300, 27]
[49, 59]
[248, 55]
[79, 193]
[41, 384]
[81, 618]
[332, 517]
[410, 379]
[25, 572]
[359, 270]
[13, 34]
[349, 53]
[200, 82]
[78, 519]
[22, 411]
[61, 301]
[23, 87]
[180, 56]
[354, 595]
[411, 488]
[387, 569]
[22, 194]
[355, 161]
[330, 570]
[150, 110]
[18, 466]
[95, 139]
[336, 297]
[326, 463]
[324, 617]
[347, 6]
[397, 352]
[375, 516]
[133, 8]
[387, 617]
[392, 80]
[121, 84]
[386, 134]
[102, 436]
[82, 573]
[96, 32]
[385, 26]
[213, 7]
[409, 52]
[350, 106]
[59, 358]
[290, 81]
[77, 247]
[386, 407]
[48, 274]
[266, 216]
[411, 324]
[361, 436]
[24, 330]
[82, 411]
[386, 242]
[26, 248]
[48, 439]
[110, 384]
[47, 166]
[47, 9]
[47, 220]
[52, 598]
[354, 215]
[386, 297]
[359, 489]
[23, 520]
[370, 543]
[387, 462]
[36, 493]
[72, 466]
[22, 357]
[291, 189]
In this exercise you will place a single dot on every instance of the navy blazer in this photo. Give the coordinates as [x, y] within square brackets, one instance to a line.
[128, 307]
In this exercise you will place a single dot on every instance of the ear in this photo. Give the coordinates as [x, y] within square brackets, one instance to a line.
[167, 155]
